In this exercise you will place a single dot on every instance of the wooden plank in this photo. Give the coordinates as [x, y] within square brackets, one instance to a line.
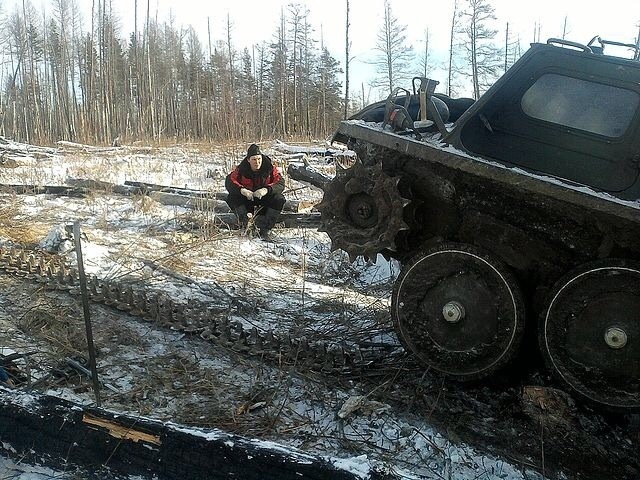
[119, 431]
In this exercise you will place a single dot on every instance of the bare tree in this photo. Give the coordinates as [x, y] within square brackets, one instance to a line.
[232, 88]
[25, 89]
[482, 55]
[5, 46]
[394, 56]
[347, 46]
[279, 78]
[424, 62]
[309, 65]
[61, 38]
[454, 29]
[512, 49]
[506, 47]
[265, 114]
[149, 72]
[536, 32]
[298, 34]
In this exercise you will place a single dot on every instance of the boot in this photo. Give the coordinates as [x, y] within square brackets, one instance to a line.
[242, 214]
[267, 222]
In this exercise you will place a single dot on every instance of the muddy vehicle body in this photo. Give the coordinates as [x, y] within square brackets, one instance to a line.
[518, 221]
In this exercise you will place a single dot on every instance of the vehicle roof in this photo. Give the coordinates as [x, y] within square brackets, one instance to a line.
[604, 163]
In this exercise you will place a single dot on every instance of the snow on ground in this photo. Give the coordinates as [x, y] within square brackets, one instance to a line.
[294, 286]
[18, 471]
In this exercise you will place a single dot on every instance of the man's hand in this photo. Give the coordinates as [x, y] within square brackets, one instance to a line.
[261, 192]
[247, 193]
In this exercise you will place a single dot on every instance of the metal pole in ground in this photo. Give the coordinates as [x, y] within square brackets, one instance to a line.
[87, 317]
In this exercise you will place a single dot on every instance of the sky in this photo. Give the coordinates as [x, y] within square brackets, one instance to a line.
[255, 21]
[619, 21]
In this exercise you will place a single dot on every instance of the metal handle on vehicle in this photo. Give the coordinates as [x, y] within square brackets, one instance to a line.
[569, 43]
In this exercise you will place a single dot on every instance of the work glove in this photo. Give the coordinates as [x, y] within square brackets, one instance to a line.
[261, 192]
[247, 193]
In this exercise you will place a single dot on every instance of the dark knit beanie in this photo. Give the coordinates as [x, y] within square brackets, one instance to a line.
[253, 150]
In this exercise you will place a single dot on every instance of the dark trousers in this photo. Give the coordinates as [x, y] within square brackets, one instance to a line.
[256, 206]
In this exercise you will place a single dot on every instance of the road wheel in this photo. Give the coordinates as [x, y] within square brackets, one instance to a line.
[459, 310]
[590, 333]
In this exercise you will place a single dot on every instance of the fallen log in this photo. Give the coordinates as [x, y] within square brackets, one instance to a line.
[199, 199]
[188, 201]
[115, 147]
[212, 204]
[310, 150]
[86, 148]
[141, 188]
[25, 149]
[288, 220]
[108, 445]
[145, 187]
[302, 173]
[98, 185]
[292, 156]
[45, 189]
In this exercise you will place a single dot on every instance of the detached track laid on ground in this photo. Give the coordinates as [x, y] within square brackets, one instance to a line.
[486, 415]
[210, 323]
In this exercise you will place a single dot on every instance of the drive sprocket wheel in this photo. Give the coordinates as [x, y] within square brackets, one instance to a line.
[362, 210]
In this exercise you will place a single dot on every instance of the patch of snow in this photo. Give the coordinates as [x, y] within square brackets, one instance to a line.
[293, 285]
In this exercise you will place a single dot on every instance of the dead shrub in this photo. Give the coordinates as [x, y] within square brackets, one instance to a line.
[62, 328]
[14, 228]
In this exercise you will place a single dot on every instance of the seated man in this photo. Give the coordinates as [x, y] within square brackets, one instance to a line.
[255, 186]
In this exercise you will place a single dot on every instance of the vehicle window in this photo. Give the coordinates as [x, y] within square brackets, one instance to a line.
[589, 106]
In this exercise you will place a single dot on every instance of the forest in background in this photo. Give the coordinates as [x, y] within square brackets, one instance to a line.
[62, 81]
[63, 77]
[66, 78]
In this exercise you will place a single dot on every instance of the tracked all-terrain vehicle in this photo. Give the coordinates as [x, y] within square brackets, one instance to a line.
[520, 218]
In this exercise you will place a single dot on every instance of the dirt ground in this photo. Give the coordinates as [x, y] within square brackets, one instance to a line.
[192, 381]
[517, 425]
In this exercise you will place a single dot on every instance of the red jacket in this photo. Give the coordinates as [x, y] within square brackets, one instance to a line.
[267, 176]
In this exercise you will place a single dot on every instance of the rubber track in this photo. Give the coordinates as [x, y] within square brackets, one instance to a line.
[197, 318]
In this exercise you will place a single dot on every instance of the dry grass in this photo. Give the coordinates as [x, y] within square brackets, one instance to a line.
[193, 382]
[16, 229]
[61, 327]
